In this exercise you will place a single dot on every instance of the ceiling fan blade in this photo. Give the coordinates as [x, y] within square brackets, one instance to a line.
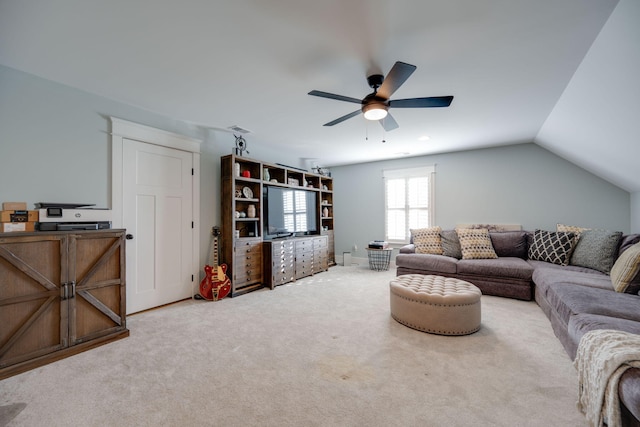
[343, 118]
[429, 102]
[334, 96]
[389, 123]
[399, 73]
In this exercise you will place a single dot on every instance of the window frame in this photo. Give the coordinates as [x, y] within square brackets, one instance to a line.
[407, 173]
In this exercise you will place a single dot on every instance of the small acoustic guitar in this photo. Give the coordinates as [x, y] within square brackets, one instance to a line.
[215, 285]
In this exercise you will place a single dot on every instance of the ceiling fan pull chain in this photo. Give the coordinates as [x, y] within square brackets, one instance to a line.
[384, 132]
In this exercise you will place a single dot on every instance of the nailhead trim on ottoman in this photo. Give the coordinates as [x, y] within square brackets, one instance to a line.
[436, 304]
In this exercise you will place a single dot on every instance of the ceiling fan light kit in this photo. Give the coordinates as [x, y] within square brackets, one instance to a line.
[375, 106]
[374, 111]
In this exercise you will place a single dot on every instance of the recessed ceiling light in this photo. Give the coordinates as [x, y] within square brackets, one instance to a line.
[424, 138]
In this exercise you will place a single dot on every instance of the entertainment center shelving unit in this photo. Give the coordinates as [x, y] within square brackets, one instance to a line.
[253, 260]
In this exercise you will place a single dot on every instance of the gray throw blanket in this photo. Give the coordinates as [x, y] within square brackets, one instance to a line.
[603, 356]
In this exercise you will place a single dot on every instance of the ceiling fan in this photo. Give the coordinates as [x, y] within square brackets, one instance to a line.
[375, 106]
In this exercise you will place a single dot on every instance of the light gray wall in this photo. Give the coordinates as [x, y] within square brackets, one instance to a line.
[635, 212]
[55, 146]
[55, 141]
[519, 184]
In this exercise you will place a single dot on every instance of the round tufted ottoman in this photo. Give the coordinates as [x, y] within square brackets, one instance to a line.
[435, 304]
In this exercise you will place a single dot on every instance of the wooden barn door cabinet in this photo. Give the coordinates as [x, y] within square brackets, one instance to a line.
[61, 293]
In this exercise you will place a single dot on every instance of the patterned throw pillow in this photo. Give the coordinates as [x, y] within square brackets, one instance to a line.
[625, 269]
[571, 229]
[577, 231]
[553, 247]
[596, 249]
[475, 243]
[427, 240]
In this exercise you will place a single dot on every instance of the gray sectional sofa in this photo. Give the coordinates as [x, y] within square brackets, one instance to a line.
[576, 299]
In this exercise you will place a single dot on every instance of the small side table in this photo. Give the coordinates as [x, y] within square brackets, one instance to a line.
[379, 258]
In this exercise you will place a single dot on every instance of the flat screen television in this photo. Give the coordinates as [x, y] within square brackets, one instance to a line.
[289, 212]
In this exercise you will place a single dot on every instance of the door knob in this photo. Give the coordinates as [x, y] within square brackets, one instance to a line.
[129, 237]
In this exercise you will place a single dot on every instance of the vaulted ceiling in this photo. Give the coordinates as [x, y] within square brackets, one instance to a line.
[251, 63]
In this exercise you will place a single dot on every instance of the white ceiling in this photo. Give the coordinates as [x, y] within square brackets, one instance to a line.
[251, 63]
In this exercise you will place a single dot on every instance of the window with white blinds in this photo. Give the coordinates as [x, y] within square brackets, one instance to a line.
[294, 206]
[408, 201]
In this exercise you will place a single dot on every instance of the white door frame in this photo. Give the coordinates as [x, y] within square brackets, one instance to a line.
[123, 129]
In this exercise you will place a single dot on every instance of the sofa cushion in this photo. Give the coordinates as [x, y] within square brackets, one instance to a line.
[596, 249]
[551, 246]
[450, 244]
[507, 267]
[407, 249]
[427, 240]
[544, 277]
[626, 269]
[475, 243]
[426, 262]
[568, 300]
[582, 323]
[509, 243]
[542, 264]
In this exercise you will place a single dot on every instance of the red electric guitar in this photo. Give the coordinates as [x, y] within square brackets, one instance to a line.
[215, 285]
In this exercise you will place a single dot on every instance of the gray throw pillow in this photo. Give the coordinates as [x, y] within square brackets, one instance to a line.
[597, 249]
[450, 244]
[510, 243]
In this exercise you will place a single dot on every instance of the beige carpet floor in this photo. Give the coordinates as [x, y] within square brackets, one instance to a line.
[323, 351]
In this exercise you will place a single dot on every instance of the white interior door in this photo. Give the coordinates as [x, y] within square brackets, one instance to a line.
[157, 210]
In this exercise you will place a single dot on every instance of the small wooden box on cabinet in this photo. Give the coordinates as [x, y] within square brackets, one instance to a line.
[61, 293]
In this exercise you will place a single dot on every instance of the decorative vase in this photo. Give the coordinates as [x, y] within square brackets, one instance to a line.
[265, 174]
[237, 169]
[325, 212]
[251, 211]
